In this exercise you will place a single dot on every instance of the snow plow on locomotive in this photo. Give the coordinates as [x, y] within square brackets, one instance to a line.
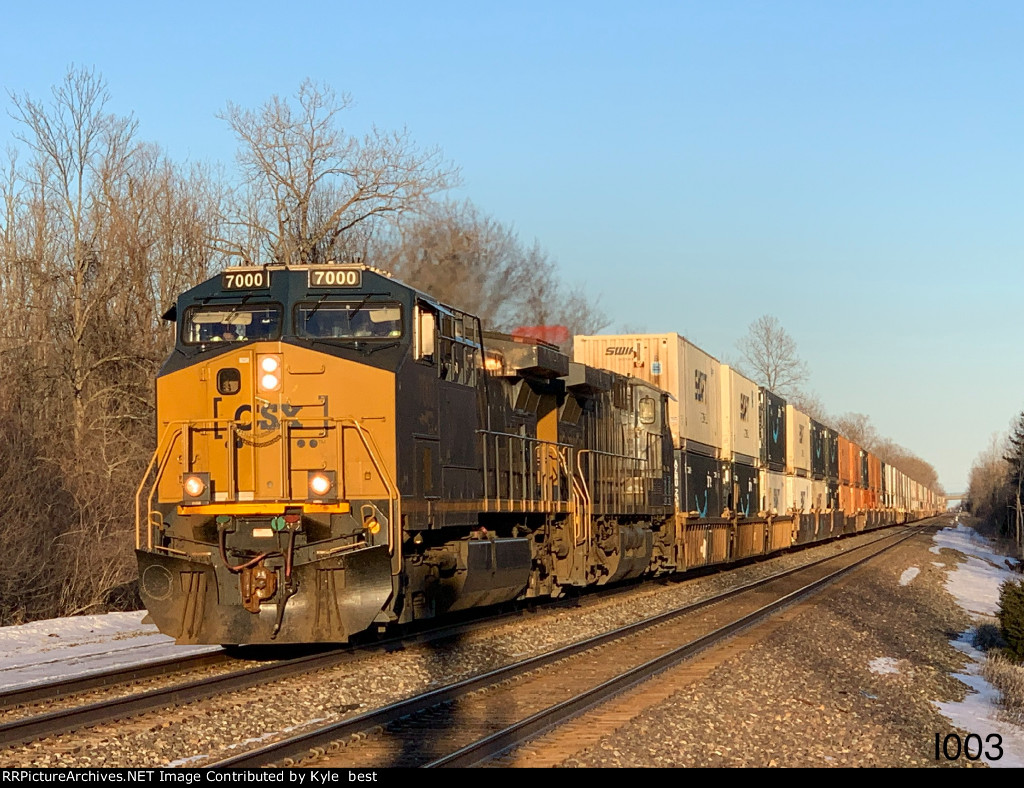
[338, 451]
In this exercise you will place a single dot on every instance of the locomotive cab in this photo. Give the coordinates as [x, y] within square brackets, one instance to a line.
[271, 510]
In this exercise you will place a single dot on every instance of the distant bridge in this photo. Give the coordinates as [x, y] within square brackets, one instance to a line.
[955, 496]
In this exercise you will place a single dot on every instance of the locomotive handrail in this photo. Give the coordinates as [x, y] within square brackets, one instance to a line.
[142, 484]
[526, 467]
[174, 429]
[636, 465]
[394, 499]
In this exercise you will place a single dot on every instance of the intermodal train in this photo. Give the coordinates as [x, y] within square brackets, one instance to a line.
[339, 452]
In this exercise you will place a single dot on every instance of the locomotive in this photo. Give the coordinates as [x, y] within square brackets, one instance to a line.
[338, 451]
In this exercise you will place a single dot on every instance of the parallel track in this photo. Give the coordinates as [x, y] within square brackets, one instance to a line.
[419, 726]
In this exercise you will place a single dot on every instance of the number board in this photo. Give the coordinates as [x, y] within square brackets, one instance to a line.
[245, 280]
[335, 277]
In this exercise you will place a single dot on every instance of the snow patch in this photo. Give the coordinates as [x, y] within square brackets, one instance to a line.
[975, 585]
[43, 651]
[908, 575]
[882, 665]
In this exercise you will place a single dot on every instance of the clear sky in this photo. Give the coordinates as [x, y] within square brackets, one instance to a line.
[854, 168]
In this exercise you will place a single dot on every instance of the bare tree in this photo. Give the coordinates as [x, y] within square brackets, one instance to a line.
[769, 353]
[859, 429]
[811, 404]
[308, 184]
[462, 257]
[98, 232]
[989, 497]
[459, 255]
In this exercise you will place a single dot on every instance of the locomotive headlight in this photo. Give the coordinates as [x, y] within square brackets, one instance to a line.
[321, 484]
[196, 487]
[270, 373]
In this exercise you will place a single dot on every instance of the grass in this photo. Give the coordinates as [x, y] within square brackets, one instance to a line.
[1008, 678]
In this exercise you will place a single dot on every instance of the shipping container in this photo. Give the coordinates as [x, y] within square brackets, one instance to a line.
[849, 462]
[833, 496]
[819, 449]
[832, 461]
[819, 495]
[671, 362]
[848, 501]
[742, 489]
[874, 484]
[798, 494]
[845, 469]
[773, 492]
[772, 415]
[701, 483]
[798, 442]
[741, 435]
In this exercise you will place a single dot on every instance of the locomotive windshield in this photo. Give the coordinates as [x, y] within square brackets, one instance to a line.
[231, 323]
[349, 320]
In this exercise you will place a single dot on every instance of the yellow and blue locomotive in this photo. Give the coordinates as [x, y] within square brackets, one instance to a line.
[338, 451]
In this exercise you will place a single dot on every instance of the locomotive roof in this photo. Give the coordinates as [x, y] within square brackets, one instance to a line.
[212, 285]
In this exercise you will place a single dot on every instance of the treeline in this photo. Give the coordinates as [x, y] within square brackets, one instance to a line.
[769, 357]
[100, 230]
[995, 488]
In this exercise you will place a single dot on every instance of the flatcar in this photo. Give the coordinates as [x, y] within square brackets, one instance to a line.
[338, 451]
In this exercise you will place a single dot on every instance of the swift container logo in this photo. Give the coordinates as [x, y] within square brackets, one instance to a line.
[700, 384]
[618, 351]
[744, 406]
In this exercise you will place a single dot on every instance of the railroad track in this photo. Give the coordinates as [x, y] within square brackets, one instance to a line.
[69, 718]
[38, 693]
[471, 721]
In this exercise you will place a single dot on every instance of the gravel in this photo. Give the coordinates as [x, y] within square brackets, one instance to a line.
[849, 681]
[801, 697]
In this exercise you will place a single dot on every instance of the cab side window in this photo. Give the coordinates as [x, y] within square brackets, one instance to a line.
[426, 328]
[449, 341]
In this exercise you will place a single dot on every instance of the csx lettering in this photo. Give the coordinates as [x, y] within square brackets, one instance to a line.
[269, 420]
[618, 351]
[242, 410]
[700, 383]
[268, 415]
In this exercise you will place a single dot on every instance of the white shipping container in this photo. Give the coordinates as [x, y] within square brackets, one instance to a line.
[819, 495]
[672, 363]
[798, 442]
[773, 492]
[798, 494]
[741, 434]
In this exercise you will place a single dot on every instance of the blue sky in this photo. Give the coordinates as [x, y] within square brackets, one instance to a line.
[853, 168]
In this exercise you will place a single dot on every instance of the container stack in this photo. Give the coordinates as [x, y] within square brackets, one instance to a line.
[772, 412]
[693, 379]
[741, 443]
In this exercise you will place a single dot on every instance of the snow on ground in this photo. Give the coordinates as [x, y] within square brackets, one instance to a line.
[975, 584]
[908, 575]
[42, 651]
[881, 665]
